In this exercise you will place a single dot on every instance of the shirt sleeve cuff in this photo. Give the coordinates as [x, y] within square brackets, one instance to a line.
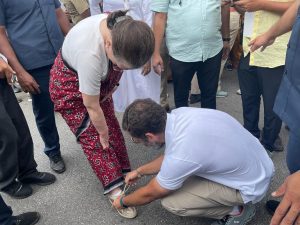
[160, 6]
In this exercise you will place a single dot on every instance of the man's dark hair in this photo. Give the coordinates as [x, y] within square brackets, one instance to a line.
[144, 116]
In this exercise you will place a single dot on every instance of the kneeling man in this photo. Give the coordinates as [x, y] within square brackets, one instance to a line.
[212, 166]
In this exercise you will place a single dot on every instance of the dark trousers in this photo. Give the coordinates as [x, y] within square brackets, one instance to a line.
[43, 110]
[254, 83]
[293, 152]
[208, 78]
[16, 146]
[5, 213]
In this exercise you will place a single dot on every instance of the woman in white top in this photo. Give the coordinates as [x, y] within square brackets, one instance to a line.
[137, 83]
[83, 77]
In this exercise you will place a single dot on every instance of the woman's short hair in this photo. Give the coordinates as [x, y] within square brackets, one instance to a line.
[132, 40]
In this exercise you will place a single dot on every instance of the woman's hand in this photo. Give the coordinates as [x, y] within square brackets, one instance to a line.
[104, 137]
[146, 68]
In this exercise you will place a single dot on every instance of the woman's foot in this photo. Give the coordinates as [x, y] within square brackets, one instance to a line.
[129, 212]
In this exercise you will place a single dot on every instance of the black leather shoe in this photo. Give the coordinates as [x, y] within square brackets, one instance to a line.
[271, 206]
[39, 178]
[18, 190]
[29, 218]
[57, 164]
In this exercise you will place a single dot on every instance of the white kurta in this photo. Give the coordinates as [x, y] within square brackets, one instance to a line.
[133, 84]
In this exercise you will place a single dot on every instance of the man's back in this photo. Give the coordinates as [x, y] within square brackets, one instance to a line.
[212, 144]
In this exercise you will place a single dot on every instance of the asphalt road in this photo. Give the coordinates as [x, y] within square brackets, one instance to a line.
[76, 197]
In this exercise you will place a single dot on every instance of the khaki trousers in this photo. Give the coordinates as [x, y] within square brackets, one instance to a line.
[199, 197]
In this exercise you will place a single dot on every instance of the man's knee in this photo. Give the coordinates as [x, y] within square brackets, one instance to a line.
[172, 207]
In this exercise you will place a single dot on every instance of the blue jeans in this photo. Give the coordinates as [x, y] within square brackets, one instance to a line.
[293, 152]
[43, 110]
[5, 213]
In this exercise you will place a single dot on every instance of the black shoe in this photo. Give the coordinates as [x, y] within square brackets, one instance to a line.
[38, 178]
[57, 164]
[271, 206]
[194, 98]
[28, 218]
[18, 190]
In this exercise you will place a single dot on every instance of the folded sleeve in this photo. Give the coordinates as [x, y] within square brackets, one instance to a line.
[175, 171]
[160, 5]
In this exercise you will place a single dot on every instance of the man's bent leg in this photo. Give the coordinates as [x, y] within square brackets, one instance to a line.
[202, 198]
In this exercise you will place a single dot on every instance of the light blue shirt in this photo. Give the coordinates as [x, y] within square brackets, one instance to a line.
[193, 30]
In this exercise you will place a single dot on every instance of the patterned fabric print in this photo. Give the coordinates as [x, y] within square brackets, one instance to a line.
[109, 164]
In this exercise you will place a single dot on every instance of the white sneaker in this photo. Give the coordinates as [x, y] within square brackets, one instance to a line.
[128, 213]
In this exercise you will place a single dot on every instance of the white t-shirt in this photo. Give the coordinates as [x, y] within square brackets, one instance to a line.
[83, 49]
[213, 145]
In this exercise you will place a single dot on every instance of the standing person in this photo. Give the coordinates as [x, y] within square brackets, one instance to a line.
[192, 50]
[17, 164]
[84, 75]
[260, 73]
[193, 178]
[286, 104]
[141, 82]
[234, 29]
[77, 9]
[31, 34]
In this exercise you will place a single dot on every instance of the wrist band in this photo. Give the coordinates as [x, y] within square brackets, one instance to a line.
[122, 203]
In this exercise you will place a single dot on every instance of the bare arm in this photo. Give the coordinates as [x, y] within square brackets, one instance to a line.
[63, 21]
[148, 169]
[26, 81]
[143, 195]
[266, 5]
[97, 117]
[284, 25]
[225, 30]
[159, 25]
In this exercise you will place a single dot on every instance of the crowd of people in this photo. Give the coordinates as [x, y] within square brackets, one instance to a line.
[88, 59]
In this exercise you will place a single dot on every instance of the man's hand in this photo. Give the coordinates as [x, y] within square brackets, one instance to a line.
[28, 83]
[226, 50]
[146, 68]
[263, 41]
[250, 5]
[288, 211]
[117, 204]
[132, 177]
[6, 70]
[157, 63]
